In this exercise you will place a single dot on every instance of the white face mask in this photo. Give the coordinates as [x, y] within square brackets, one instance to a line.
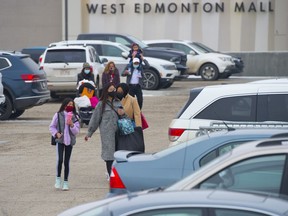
[86, 71]
[135, 65]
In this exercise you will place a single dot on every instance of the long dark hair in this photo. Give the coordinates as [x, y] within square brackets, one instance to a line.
[104, 95]
[64, 104]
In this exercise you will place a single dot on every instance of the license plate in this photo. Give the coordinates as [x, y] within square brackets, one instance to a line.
[64, 72]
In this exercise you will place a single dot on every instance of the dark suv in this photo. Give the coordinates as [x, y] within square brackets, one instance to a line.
[24, 84]
[176, 56]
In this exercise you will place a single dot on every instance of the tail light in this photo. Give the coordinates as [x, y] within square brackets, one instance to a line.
[115, 180]
[175, 133]
[91, 69]
[30, 77]
[40, 59]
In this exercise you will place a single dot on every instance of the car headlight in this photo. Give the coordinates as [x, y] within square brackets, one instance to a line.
[169, 67]
[226, 59]
[176, 59]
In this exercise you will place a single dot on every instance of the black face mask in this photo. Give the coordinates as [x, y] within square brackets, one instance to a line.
[112, 94]
[120, 96]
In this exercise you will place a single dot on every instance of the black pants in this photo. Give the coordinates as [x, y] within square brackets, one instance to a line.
[62, 149]
[135, 89]
[109, 166]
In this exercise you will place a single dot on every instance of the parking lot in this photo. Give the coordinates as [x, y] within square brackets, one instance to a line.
[28, 160]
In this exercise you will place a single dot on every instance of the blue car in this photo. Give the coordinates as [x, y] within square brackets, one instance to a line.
[134, 171]
[185, 203]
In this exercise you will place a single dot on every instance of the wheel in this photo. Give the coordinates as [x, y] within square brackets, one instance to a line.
[53, 95]
[16, 114]
[167, 85]
[6, 109]
[209, 72]
[150, 80]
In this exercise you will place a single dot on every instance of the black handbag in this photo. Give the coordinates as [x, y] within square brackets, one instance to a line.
[53, 139]
[131, 142]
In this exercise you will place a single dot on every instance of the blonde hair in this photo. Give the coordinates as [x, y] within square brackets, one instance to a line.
[106, 70]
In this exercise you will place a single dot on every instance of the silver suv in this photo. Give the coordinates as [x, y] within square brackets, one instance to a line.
[63, 63]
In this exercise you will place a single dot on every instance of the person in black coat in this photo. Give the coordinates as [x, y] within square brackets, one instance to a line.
[86, 73]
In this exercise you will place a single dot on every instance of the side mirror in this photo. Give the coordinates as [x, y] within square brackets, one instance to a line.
[192, 52]
[125, 55]
[104, 60]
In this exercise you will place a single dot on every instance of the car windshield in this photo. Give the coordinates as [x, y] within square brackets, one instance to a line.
[67, 55]
[198, 48]
[139, 42]
[204, 47]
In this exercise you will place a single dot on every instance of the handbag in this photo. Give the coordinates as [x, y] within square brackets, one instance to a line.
[144, 121]
[125, 126]
[53, 139]
[131, 142]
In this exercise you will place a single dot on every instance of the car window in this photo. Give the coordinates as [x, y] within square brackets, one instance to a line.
[109, 50]
[182, 47]
[273, 107]
[68, 55]
[263, 174]
[4, 63]
[121, 40]
[235, 212]
[240, 108]
[220, 151]
[171, 212]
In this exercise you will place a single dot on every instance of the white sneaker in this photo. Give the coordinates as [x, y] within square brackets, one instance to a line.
[58, 183]
[65, 186]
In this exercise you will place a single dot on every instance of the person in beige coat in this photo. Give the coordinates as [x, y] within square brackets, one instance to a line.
[129, 103]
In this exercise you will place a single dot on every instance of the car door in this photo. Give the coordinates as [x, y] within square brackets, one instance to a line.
[264, 174]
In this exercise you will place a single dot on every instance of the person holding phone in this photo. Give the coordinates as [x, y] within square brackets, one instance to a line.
[65, 138]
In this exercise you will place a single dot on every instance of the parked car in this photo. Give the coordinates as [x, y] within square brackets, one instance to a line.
[63, 63]
[34, 52]
[160, 74]
[133, 171]
[256, 102]
[185, 203]
[2, 96]
[175, 56]
[201, 61]
[25, 86]
[258, 167]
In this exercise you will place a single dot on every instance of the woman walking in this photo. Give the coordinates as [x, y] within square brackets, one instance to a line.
[105, 116]
[64, 127]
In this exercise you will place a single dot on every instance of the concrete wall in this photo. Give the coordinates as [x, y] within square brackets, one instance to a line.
[264, 63]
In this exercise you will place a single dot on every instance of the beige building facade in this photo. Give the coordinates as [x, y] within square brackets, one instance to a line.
[226, 25]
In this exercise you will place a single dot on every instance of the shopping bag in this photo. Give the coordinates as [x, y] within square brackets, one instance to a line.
[144, 121]
[131, 142]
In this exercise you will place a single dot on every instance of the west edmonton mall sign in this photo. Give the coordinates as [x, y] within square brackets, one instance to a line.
[192, 7]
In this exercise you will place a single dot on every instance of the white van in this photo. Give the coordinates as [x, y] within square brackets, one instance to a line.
[254, 102]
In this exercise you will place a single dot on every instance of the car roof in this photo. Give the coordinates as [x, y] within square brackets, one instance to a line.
[215, 92]
[167, 41]
[71, 42]
[194, 198]
[248, 150]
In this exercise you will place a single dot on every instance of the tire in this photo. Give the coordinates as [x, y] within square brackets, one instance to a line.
[150, 80]
[16, 114]
[53, 95]
[6, 109]
[209, 72]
